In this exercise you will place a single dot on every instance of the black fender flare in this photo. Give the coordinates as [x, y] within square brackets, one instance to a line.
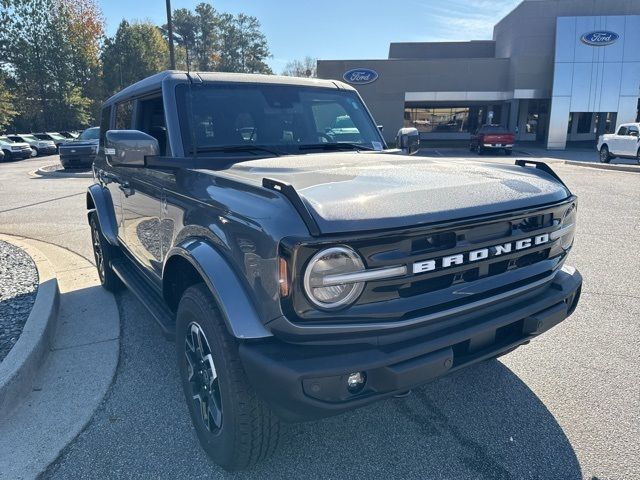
[99, 199]
[236, 306]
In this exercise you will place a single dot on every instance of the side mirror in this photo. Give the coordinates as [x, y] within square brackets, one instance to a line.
[128, 148]
[408, 140]
[633, 133]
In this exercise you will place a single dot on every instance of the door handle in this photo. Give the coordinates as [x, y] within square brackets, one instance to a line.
[126, 188]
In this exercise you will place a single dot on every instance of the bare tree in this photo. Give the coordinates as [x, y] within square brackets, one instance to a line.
[307, 67]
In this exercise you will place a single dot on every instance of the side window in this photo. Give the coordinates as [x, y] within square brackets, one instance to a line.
[622, 131]
[105, 123]
[633, 131]
[150, 120]
[333, 120]
[124, 113]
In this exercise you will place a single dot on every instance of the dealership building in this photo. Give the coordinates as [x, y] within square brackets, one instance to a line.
[555, 72]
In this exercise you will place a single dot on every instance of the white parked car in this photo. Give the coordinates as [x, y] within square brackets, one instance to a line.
[625, 143]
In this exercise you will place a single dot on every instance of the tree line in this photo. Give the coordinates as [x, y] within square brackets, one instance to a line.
[57, 65]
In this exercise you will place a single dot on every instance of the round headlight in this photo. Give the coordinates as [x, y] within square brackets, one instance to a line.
[322, 278]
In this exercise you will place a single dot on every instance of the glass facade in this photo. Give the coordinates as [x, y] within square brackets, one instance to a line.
[440, 119]
[450, 119]
[584, 122]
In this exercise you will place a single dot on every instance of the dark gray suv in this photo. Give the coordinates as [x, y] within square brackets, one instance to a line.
[304, 272]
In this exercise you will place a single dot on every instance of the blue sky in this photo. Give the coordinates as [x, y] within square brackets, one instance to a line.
[339, 29]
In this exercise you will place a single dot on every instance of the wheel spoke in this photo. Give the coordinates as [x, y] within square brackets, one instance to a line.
[215, 412]
[203, 377]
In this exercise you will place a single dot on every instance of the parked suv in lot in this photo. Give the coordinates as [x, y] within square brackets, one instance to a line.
[302, 276]
[80, 152]
[55, 137]
[38, 147]
[14, 150]
[624, 143]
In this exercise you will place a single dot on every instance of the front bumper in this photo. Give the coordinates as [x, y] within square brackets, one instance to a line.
[305, 382]
[76, 160]
[47, 150]
[21, 154]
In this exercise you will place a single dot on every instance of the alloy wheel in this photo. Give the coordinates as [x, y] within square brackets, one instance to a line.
[604, 155]
[203, 378]
[97, 250]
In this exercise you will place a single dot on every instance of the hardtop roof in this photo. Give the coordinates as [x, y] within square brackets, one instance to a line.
[154, 82]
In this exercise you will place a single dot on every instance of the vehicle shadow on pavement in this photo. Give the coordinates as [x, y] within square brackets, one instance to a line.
[483, 422]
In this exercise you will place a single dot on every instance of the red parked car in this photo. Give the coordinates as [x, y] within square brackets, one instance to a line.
[492, 137]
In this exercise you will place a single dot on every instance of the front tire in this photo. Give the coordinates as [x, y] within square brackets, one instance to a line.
[235, 428]
[479, 150]
[104, 253]
[34, 152]
[638, 157]
[605, 156]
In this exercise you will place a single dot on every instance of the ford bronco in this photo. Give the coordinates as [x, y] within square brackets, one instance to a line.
[304, 272]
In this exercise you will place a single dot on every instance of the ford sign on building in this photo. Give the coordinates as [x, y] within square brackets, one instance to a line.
[554, 71]
[600, 39]
[360, 76]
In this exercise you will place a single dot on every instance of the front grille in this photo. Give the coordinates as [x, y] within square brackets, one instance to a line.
[404, 297]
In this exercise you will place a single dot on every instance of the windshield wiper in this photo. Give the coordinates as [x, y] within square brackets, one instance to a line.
[238, 148]
[335, 146]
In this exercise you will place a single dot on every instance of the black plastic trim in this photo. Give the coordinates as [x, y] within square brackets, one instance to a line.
[292, 195]
[541, 166]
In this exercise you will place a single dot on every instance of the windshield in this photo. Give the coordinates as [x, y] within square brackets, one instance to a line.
[90, 134]
[29, 138]
[282, 118]
[56, 136]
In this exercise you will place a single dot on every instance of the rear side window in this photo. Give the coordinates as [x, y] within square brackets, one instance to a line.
[124, 113]
[105, 123]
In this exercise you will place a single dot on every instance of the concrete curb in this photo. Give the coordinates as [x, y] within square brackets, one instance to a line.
[18, 370]
[605, 166]
[80, 365]
[61, 173]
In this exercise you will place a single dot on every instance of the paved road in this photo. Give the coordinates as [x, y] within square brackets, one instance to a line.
[565, 407]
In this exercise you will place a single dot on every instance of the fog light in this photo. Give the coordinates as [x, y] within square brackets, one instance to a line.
[356, 381]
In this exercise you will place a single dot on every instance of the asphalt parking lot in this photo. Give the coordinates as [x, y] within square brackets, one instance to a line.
[564, 407]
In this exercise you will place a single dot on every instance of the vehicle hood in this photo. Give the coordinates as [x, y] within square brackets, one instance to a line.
[368, 191]
[80, 143]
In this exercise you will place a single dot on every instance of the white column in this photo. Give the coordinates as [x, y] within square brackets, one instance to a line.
[558, 123]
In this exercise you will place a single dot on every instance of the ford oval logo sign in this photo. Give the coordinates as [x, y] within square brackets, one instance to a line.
[600, 38]
[360, 76]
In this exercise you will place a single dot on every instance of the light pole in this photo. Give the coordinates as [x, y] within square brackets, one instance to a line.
[172, 55]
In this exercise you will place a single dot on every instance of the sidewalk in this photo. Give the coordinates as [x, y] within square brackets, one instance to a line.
[75, 376]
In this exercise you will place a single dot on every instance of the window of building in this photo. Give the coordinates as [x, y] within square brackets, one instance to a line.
[584, 122]
[536, 110]
[437, 120]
